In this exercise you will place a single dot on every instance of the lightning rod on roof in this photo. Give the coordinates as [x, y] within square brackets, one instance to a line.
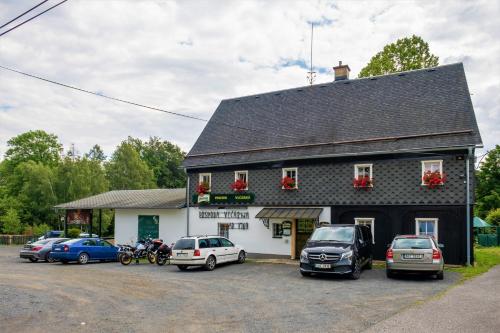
[311, 75]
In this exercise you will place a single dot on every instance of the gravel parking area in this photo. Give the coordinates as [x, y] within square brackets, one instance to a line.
[109, 297]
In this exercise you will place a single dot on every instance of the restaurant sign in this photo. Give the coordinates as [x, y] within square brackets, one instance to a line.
[224, 214]
[79, 216]
[218, 199]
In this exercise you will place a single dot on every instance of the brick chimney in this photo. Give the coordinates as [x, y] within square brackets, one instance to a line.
[341, 72]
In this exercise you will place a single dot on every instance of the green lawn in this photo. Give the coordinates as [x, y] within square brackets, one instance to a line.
[486, 257]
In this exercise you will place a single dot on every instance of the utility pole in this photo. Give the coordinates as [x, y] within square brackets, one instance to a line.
[311, 75]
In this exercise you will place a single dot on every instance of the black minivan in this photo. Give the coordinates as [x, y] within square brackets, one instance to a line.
[338, 249]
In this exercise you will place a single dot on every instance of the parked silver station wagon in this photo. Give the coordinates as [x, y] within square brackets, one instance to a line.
[416, 254]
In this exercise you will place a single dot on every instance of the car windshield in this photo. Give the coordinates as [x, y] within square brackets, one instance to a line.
[184, 244]
[412, 243]
[41, 242]
[334, 234]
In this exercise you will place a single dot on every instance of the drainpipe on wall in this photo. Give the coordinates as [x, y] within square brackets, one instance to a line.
[187, 203]
[467, 177]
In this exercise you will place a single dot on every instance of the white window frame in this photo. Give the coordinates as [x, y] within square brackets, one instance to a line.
[237, 173]
[357, 221]
[431, 161]
[283, 175]
[427, 219]
[200, 179]
[356, 171]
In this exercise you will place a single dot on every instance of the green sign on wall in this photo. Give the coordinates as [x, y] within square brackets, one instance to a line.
[148, 227]
[222, 198]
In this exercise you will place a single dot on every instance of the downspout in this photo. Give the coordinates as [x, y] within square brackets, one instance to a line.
[467, 177]
[187, 203]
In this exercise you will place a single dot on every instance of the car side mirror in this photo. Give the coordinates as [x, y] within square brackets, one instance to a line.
[441, 246]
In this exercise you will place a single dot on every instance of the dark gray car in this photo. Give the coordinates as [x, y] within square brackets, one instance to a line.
[40, 250]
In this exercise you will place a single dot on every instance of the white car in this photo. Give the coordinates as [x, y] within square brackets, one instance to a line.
[206, 251]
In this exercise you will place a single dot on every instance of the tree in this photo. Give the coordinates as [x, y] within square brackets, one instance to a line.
[493, 217]
[11, 222]
[164, 158]
[37, 146]
[126, 170]
[96, 154]
[488, 183]
[80, 178]
[405, 54]
[32, 185]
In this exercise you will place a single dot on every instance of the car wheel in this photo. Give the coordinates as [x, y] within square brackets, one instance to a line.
[48, 258]
[182, 267]
[356, 270]
[33, 259]
[440, 275]
[369, 264]
[305, 274]
[210, 264]
[389, 273]
[83, 258]
[241, 257]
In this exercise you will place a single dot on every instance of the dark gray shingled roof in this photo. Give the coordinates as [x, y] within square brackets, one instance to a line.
[421, 109]
[158, 198]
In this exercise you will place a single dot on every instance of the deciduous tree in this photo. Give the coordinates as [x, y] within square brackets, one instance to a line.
[488, 183]
[405, 54]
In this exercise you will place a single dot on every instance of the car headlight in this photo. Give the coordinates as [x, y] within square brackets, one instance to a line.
[303, 256]
[346, 255]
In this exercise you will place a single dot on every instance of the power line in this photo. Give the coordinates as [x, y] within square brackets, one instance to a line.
[140, 105]
[26, 12]
[31, 18]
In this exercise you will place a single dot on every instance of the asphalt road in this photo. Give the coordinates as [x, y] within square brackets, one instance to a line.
[471, 307]
[109, 297]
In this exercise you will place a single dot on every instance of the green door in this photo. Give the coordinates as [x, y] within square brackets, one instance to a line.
[148, 226]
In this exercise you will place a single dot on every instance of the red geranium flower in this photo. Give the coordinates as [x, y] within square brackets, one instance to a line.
[363, 182]
[239, 185]
[432, 179]
[202, 188]
[288, 183]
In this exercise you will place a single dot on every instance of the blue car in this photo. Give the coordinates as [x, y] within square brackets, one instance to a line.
[84, 250]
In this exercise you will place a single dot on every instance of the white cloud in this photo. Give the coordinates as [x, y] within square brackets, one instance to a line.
[186, 56]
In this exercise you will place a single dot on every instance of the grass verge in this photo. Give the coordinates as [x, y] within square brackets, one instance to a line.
[486, 257]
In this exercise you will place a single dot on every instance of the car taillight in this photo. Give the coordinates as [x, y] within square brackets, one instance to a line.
[66, 248]
[36, 248]
[389, 254]
[196, 253]
[436, 254]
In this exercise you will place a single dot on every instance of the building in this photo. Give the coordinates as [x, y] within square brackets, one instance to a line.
[394, 152]
[139, 214]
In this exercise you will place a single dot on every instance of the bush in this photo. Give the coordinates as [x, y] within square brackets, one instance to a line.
[11, 222]
[493, 217]
[73, 233]
[41, 229]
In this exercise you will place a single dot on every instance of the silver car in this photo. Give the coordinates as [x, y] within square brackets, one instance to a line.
[416, 254]
[40, 250]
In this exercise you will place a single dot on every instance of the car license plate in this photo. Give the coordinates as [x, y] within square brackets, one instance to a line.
[413, 256]
[323, 266]
[57, 249]
[182, 254]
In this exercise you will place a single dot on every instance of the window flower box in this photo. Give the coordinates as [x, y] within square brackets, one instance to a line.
[202, 188]
[433, 179]
[239, 185]
[288, 183]
[363, 182]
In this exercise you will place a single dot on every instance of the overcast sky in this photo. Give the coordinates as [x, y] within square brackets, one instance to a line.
[185, 56]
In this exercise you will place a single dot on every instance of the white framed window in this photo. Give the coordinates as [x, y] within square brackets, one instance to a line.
[277, 230]
[363, 170]
[241, 175]
[292, 173]
[206, 178]
[427, 226]
[432, 166]
[369, 221]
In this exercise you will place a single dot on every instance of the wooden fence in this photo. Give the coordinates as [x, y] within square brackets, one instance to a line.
[16, 239]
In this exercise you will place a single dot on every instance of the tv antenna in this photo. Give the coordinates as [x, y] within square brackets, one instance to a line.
[311, 75]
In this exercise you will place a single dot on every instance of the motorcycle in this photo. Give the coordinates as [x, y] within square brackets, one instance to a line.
[122, 248]
[163, 254]
[138, 252]
[152, 250]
